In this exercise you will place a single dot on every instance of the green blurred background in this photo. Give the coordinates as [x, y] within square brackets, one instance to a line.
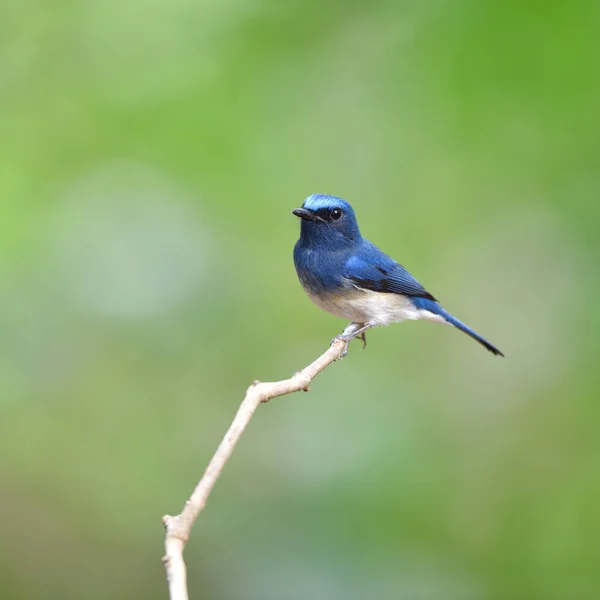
[151, 155]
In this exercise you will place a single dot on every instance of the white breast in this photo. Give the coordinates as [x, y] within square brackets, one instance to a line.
[365, 306]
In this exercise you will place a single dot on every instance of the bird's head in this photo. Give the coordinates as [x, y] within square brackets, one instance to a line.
[327, 220]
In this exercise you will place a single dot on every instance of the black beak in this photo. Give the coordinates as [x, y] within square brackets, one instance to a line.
[307, 215]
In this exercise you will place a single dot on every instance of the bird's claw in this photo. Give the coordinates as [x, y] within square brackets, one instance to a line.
[363, 337]
[343, 354]
[347, 339]
[346, 344]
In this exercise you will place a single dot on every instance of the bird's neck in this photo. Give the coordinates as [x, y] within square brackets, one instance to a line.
[326, 239]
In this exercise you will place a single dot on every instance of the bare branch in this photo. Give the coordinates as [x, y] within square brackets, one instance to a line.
[179, 527]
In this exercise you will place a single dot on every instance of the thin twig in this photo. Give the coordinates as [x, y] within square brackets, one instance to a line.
[179, 527]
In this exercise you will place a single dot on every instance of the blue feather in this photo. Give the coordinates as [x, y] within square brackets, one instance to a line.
[436, 309]
[340, 270]
[372, 269]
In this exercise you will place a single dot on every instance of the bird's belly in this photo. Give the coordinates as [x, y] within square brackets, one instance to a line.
[365, 306]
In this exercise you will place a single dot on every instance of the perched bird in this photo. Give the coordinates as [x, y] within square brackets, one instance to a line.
[348, 276]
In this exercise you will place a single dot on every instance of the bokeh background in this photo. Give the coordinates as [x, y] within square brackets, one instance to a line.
[151, 154]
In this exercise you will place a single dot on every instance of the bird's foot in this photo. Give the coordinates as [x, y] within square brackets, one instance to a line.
[354, 330]
[344, 352]
[363, 338]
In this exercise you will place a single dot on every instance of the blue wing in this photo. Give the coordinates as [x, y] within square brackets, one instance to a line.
[371, 269]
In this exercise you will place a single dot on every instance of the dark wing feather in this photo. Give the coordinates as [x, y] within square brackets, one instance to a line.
[371, 269]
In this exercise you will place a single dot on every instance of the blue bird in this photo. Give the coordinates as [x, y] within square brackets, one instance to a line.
[348, 276]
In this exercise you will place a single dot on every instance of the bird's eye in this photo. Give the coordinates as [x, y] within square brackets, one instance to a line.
[336, 214]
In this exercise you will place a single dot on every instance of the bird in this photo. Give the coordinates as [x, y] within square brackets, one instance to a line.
[348, 276]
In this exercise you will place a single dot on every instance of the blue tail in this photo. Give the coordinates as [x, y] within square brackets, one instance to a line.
[436, 309]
